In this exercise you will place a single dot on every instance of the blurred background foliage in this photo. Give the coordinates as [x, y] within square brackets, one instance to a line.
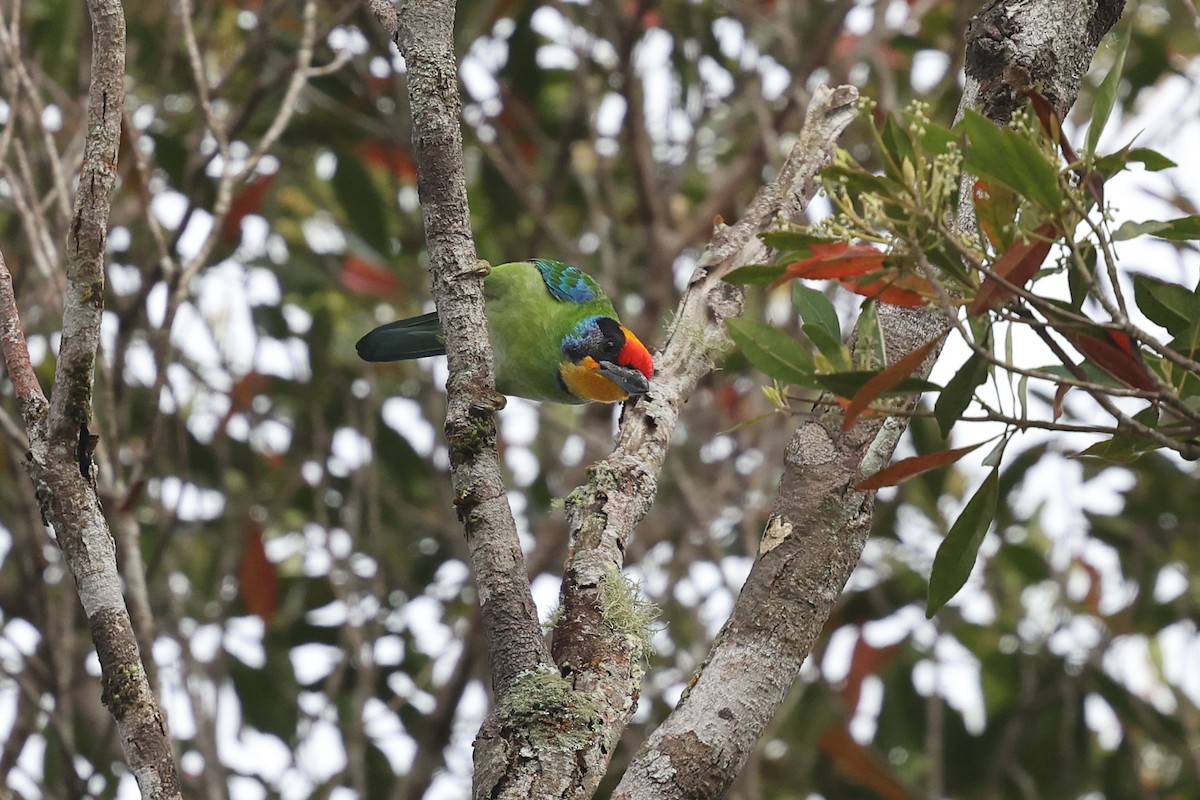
[315, 631]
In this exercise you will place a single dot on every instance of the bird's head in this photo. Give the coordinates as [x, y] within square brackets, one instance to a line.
[604, 362]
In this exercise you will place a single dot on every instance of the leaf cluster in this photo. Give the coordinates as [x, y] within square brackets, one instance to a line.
[901, 235]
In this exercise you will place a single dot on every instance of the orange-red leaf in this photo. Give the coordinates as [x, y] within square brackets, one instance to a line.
[908, 467]
[861, 765]
[258, 578]
[360, 275]
[866, 660]
[1113, 352]
[1016, 266]
[995, 210]
[891, 291]
[395, 159]
[886, 379]
[248, 201]
[835, 260]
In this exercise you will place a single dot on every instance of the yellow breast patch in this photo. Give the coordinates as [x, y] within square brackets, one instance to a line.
[585, 380]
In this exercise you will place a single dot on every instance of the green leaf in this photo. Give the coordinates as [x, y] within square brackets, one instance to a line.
[1106, 93]
[828, 345]
[267, 693]
[793, 240]
[868, 350]
[936, 139]
[1125, 448]
[360, 200]
[956, 555]
[1080, 279]
[756, 274]
[1152, 160]
[1180, 229]
[772, 351]
[955, 398]
[815, 309]
[1004, 156]
[1170, 305]
[897, 145]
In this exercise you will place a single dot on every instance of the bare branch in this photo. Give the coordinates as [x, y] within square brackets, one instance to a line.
[424, 33]
[59, 459]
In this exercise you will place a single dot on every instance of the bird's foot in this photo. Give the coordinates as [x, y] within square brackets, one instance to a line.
[482, 269]
[493, 403]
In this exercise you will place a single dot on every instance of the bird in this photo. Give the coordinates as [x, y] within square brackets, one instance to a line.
[554, 333]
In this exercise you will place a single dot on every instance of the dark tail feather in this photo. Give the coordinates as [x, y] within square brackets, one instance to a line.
[403, 339]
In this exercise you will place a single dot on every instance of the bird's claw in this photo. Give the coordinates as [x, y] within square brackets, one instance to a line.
[494, 403]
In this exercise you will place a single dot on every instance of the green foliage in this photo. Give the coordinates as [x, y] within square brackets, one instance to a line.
[955, 558]
[1034, 198]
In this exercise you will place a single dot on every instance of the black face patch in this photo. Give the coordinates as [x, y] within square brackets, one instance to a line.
[598, 337]
[613, 339]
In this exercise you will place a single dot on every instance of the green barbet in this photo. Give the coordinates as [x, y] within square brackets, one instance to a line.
[554, 332]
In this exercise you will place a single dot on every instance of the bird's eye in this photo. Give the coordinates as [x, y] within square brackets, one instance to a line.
[610, 346]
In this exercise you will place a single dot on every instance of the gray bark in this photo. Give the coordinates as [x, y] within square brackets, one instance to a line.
[424, 32]
[59, 459]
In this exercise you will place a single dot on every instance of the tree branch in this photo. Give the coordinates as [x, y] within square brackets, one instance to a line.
[424, 32]
[59, 459]
[601, 664]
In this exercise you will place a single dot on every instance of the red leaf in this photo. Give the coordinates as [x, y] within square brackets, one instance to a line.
[1016, 265]
[248, 201]
[396, 159]
[865, 660]
[861, 765]
[258, 578]
[1113, 352]
[835, 260]
[359, 275]
[908, 467]
[887, 379]
[891, 292]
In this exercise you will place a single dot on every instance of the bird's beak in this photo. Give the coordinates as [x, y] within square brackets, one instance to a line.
[632, 381]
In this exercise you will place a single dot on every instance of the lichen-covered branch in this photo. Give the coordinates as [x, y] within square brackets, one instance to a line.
[424, 32]
[819, 525]
[59, 459]
[598, 659]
